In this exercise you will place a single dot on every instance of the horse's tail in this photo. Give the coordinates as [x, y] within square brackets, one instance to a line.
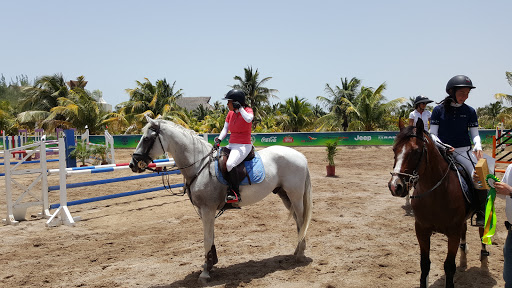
[307, 202]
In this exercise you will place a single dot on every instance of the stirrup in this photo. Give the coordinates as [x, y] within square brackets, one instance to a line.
[232, 198]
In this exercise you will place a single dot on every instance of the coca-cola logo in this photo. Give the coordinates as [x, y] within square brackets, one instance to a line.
[271, 139]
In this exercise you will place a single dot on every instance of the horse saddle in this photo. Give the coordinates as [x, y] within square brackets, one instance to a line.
[465, 179]
[249, 171]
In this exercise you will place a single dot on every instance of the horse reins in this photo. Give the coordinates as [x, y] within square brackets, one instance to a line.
[414, 177]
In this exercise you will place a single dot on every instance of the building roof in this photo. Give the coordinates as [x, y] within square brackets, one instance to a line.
[191, 103]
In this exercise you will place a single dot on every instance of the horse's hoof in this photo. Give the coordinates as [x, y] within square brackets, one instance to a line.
[204, 277]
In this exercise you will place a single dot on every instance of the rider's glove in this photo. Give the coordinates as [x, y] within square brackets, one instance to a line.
[236, 105]
[217, 142]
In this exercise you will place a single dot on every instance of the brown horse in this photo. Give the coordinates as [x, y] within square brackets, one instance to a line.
[437, 200]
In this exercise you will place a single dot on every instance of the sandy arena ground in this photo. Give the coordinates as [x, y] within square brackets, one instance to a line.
[360, 236]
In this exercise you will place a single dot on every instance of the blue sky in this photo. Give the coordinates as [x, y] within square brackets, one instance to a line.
[413, 46]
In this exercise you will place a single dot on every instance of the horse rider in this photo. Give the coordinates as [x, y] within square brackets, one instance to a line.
[451, 120]
[239, 123]
[420, 105]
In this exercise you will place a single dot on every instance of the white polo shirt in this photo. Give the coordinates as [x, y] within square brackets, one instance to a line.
[425, 116]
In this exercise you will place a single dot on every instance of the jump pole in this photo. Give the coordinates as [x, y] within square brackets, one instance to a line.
[62, 215]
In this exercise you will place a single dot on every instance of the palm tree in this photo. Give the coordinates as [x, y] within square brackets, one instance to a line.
[369, 108]
[158, 99]
[335, 104]
[78, 110]
[489, 114]
[7, 119]
[298, 114]
[257, 95]
[44, 94]
[503, 96]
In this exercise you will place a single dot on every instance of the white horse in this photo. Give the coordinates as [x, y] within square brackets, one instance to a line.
[286, 174]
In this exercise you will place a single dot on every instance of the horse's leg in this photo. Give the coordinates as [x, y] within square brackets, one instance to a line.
[463, 246]
[301, 246]
[484, 261]
[407, 200]
[208, 219]
[423, 236]
[449, 263]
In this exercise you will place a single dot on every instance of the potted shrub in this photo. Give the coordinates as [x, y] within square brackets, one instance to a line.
[332, 150]
[82, 153]
[100, 153]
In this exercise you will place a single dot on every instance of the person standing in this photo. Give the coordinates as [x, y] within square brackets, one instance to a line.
[451, 123]
[239, 123]
[420, 105]
[504, 191]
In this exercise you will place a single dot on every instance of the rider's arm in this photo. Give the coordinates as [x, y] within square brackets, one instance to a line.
[247, 116]
[224, 131]
[476, 138]
[433, 133]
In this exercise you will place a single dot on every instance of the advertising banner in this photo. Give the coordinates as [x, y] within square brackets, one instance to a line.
[296, 139]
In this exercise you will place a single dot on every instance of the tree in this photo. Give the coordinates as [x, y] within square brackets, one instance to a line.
[336, 104]
[503, 96]
[44, 94]
[77, 110]
[488, 115]
[370, 109]
[155, 100]
[297, 114]
[257, 95]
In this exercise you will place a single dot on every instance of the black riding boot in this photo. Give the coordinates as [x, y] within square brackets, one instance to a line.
[481, 197]
[233, 195]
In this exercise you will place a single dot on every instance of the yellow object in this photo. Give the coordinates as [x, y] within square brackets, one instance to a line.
[482, 170]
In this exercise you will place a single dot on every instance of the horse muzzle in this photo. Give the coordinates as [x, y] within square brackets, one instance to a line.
[397, 187]
[139, 163]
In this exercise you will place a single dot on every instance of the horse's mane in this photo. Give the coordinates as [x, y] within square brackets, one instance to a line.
[173, 125]
[405, 134]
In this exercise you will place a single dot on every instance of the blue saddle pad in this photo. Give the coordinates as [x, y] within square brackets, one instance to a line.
[254, 168]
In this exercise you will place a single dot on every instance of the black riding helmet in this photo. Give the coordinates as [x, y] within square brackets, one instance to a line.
[236, 95]
[458, 81]
[421, 99]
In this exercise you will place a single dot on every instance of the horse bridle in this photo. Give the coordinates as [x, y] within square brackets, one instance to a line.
[142, 157]
[145, 156]
[414, 177]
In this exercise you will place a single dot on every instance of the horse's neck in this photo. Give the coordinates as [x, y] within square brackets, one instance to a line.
[436, 165]
[186, 149]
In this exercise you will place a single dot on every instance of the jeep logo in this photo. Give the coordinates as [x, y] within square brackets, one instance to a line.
[361, 138]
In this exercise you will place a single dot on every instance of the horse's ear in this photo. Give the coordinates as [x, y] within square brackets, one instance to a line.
[401, 124]
[150, 121]
[419, 127]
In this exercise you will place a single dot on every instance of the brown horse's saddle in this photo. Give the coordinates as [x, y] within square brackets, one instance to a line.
[465, 180]
[240, 168]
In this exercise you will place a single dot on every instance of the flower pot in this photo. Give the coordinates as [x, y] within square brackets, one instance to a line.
[331, 170]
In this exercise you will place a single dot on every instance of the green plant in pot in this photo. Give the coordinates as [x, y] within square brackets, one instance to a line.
[100, 153]
[81, 152]
[332, 150]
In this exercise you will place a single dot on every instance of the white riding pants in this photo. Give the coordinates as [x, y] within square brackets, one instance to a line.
[237, 155]
[465, 156]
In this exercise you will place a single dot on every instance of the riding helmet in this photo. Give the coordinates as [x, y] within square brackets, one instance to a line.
[236, 95]
[422, 99]
[458, 81]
